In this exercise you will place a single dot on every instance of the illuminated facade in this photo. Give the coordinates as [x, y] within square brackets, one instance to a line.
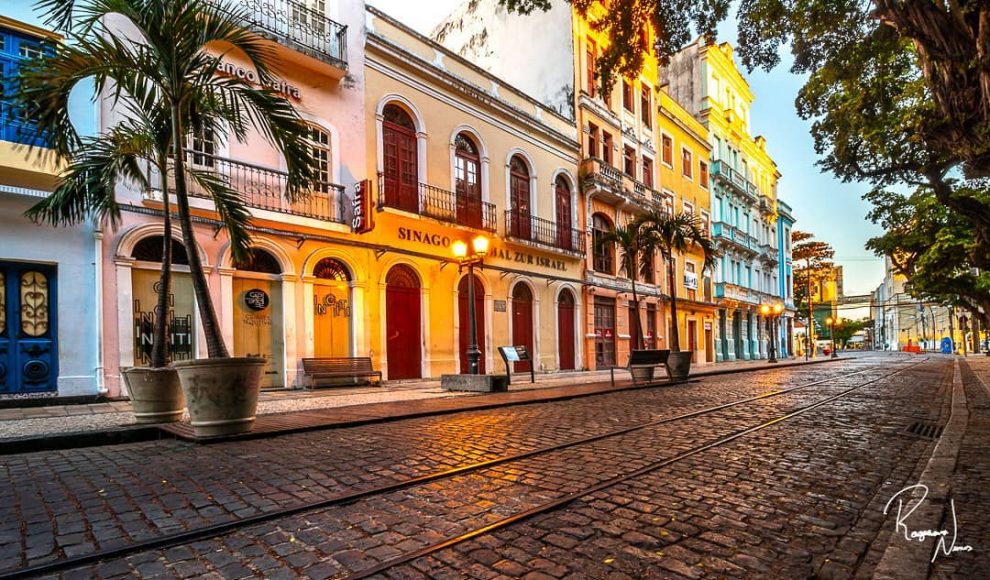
[745, 214]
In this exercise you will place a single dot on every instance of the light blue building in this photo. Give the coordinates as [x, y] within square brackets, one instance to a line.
[785, 225]
[49, 278]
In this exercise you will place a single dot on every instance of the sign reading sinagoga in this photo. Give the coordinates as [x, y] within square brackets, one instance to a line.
[501, 253]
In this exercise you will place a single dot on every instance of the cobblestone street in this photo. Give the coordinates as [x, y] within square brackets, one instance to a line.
[776, 474]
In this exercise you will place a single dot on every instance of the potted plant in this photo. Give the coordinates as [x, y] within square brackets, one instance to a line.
[628, 239]
[172, 66]
[679, 233]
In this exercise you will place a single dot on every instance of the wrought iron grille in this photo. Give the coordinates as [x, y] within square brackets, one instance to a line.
[299, 27]
[523, 226]
[437, 203]
[264, 188]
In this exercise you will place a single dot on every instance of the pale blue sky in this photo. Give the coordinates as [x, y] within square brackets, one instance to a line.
[833, 211]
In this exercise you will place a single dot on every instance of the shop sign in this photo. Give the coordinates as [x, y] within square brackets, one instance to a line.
[180, 340]
[364, 219]
[256, 299]
[330, 304]
[422, 237]
[690, 280]
[518, 257]
[278, 85]
[500, 306]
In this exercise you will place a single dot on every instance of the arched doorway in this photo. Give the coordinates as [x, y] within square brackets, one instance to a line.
[522, 323]
[519, 199]
[145, 276]
[257, 292]
[565, 235]
[565, 330]
[467, 182]
[331, 309]
[401, 159]
[403, 324]
[464, 322]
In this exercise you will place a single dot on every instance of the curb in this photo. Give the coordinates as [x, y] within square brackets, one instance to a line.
[137, 434]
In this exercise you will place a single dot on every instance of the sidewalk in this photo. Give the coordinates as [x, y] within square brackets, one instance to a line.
[18, 424]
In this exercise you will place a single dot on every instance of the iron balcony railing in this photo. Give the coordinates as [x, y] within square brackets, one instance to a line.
[299, 27]
[264, 188]
[523, 226]
[732, 177]
[438, 203]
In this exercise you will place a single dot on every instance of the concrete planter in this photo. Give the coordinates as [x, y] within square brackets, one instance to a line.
[679, 365]
[156, 396]
[475, 383]
[221, 393]
[642, 374]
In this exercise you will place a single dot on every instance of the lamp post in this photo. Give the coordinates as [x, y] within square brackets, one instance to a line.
[831, 323]
[772, 314]
[479, 245]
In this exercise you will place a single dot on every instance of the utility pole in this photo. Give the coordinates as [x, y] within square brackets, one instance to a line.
[952, 331]
[808, 333]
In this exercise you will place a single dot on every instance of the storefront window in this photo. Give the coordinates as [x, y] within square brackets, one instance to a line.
[604, 332]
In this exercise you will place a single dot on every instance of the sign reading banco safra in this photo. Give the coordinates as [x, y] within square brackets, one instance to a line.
[364, 219]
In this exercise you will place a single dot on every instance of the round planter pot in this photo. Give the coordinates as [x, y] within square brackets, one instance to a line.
[156, 396]
[679, 365]
[221, 393]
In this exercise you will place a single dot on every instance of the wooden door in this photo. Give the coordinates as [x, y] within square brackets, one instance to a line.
[467, 179]
[521, 227]
[403, 324]
[565, 330]
[565, 237]
[258, 325]
[692, 336]
[634, 329]
[401, 160]
[464, 325]
[522, 323]
[604, 333]
[331, 309]
[709, 346]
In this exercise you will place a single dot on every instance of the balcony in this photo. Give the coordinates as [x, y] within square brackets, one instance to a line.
[294, 25]
[264, 188]
[735, 180]
[437, 203]
[727, 291]
[613, 186]
[722, 231]
[526, 227]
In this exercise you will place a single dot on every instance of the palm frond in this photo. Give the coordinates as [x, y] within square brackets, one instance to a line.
[230, 206]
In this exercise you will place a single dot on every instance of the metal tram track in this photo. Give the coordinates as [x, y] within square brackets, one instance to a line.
[564, 500]
[221, 528]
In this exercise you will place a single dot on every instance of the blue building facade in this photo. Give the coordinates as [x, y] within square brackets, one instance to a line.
[49, 289]
[785, 225]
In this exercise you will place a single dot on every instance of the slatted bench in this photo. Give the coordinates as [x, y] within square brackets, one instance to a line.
[338, 368]
[643, 359]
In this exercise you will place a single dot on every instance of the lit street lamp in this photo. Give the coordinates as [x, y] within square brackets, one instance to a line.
[480, 247]
[772, 314]
[831, 333]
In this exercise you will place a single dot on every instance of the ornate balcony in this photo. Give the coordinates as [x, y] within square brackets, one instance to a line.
[526, 227]
[735, 180]
[613, 186]
[437, 203]
[295, 25]
[264, 188]
[727, 291]
[739, 239]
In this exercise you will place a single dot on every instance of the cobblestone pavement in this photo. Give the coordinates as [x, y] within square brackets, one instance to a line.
[797, 499]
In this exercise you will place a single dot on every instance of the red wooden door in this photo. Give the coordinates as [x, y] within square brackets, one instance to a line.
[464, 322]
[522, 323]
[401, 160]
[565, 330]
[468, 182]
[692, 328]
[403, 324]
[519, 193]
[564, 234]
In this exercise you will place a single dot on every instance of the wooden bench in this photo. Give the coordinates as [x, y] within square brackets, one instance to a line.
[639, 359]
[352, 368]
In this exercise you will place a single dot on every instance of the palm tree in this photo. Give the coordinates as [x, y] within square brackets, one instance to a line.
[168, 71]
[671, 234]
[632, 262]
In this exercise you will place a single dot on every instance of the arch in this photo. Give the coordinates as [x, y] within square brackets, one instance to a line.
[332, 269]
[149, 249]
[260, 261]
[309, 265]
[130, 238]
[411, 109]
[402, 276]
[475, 135]
[272, 247]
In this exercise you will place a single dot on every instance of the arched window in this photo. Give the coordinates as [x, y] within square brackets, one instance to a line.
[331, 269]
[149, 249]
[604, 253]
[562, 190]
[401, 159]
[467, 181]
[519, 199]
[260, 261]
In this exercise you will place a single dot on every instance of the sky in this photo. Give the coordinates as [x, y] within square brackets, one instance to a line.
[832, 210]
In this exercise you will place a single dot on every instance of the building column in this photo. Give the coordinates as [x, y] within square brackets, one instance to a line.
[290, 346]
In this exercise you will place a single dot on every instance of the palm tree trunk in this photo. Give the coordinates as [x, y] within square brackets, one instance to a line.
[675, 342]
[211, 326]
[635, 321]
[159, 342]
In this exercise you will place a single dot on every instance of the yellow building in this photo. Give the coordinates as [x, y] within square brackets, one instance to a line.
[459, 154]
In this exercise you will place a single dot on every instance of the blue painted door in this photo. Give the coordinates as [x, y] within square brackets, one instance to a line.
[28, 333]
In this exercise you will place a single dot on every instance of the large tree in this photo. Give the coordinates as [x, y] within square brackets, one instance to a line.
[812, 262]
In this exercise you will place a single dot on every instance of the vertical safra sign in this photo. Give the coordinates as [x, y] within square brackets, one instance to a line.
[364, 219]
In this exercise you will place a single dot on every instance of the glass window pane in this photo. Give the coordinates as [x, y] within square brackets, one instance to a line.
[34, 304]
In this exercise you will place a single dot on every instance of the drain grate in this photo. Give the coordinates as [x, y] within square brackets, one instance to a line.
[925, 430]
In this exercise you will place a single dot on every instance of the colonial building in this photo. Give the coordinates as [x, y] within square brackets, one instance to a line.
[704, 78]
[301, 294]
[639, 150]
[459, 153]
[785, 225]
[49, 278]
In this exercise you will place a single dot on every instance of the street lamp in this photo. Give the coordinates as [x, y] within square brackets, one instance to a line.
[772, 314]
[479, 245]
[831, 333]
